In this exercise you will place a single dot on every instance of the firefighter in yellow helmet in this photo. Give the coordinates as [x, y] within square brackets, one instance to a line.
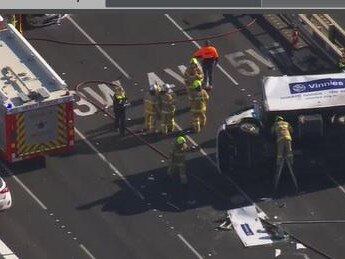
[283, 130]
[177, 159]
[151, 105]
[120, 103]
[192, 73]
[167, 109]
[198, 106]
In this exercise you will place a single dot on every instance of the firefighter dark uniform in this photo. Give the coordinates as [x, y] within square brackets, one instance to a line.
[192, 73]
[168, 109]
[198, 108]
[178, 159]
[120, 102]
[151, 105]
[209, 56]
[282, 131]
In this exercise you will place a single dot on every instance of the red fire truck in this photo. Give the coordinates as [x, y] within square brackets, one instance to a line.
[36, 108]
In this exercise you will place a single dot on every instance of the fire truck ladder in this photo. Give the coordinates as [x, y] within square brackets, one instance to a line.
[19, 81]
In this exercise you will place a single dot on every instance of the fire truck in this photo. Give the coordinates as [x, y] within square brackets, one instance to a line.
[36, 108]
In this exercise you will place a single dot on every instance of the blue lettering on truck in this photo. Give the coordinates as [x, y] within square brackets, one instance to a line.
[317, 85]
[246, 229]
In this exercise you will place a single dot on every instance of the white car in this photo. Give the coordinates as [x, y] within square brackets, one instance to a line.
[5, 195]
[40, 20]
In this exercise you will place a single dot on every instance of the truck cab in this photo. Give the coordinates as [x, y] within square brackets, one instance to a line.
[314, 105]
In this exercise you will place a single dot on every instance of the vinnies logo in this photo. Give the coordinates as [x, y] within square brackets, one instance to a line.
[317, 85]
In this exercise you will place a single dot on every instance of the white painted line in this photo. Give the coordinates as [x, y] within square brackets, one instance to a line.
[189, 138]
[198, 46]
[174, 206]
[86, 251]
[340, 187]
[111, 166]
[33, 196]
[174, 75]
[112, 61]
[5, 252]
[189, 246]
[260, 58]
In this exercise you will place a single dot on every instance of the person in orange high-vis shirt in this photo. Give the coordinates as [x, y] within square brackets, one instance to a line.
[209, 56]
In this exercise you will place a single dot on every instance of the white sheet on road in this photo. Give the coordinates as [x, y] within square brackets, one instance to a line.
[248, 226]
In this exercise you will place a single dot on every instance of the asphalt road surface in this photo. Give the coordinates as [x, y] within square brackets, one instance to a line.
[111, 198]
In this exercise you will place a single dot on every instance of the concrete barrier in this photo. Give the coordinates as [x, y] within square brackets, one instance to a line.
[320, 30]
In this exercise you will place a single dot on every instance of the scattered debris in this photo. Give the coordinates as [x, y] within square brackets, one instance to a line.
[248, 226]
[300, 246]
[278, 252]
[226, 224]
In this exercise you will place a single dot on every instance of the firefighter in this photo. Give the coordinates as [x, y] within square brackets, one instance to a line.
[12, 19]
[192, 73]
[178, 160]
[168, 109]
[341, 63]
[209, 56]
[198, 108]
[282, 130]
[120, 102]
[151, 105]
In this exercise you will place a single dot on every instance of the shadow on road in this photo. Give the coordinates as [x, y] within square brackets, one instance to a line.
[206, 188]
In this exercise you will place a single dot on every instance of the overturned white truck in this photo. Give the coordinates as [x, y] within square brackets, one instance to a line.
[314, 105]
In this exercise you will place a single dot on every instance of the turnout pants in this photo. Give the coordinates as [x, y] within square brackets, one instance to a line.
[167, 122]
[179, 170]
[284, 151]
[199, 121]
[150, 122]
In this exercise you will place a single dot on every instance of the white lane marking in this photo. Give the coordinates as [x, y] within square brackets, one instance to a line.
[182, 68]
[260, 58]
[173, 74]
[336, 183]
[33, 196]
[86, 251]
[174, 206]
[190, 139]
[198, 46]
[111, 166]
[189, 246]
[5, 252]
[112, 61]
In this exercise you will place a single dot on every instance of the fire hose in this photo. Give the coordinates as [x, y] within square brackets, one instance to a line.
[152, 43]
[77, 90]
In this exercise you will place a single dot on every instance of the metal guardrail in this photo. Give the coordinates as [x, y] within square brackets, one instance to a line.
[322, 31]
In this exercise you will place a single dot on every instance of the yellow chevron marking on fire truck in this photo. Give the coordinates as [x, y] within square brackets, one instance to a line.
[61, 140]
[20, 132]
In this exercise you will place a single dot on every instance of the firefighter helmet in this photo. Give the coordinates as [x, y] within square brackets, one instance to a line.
[279, 118]
[154, 89]
[194, 61]
[197, 84]
[180, 140]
